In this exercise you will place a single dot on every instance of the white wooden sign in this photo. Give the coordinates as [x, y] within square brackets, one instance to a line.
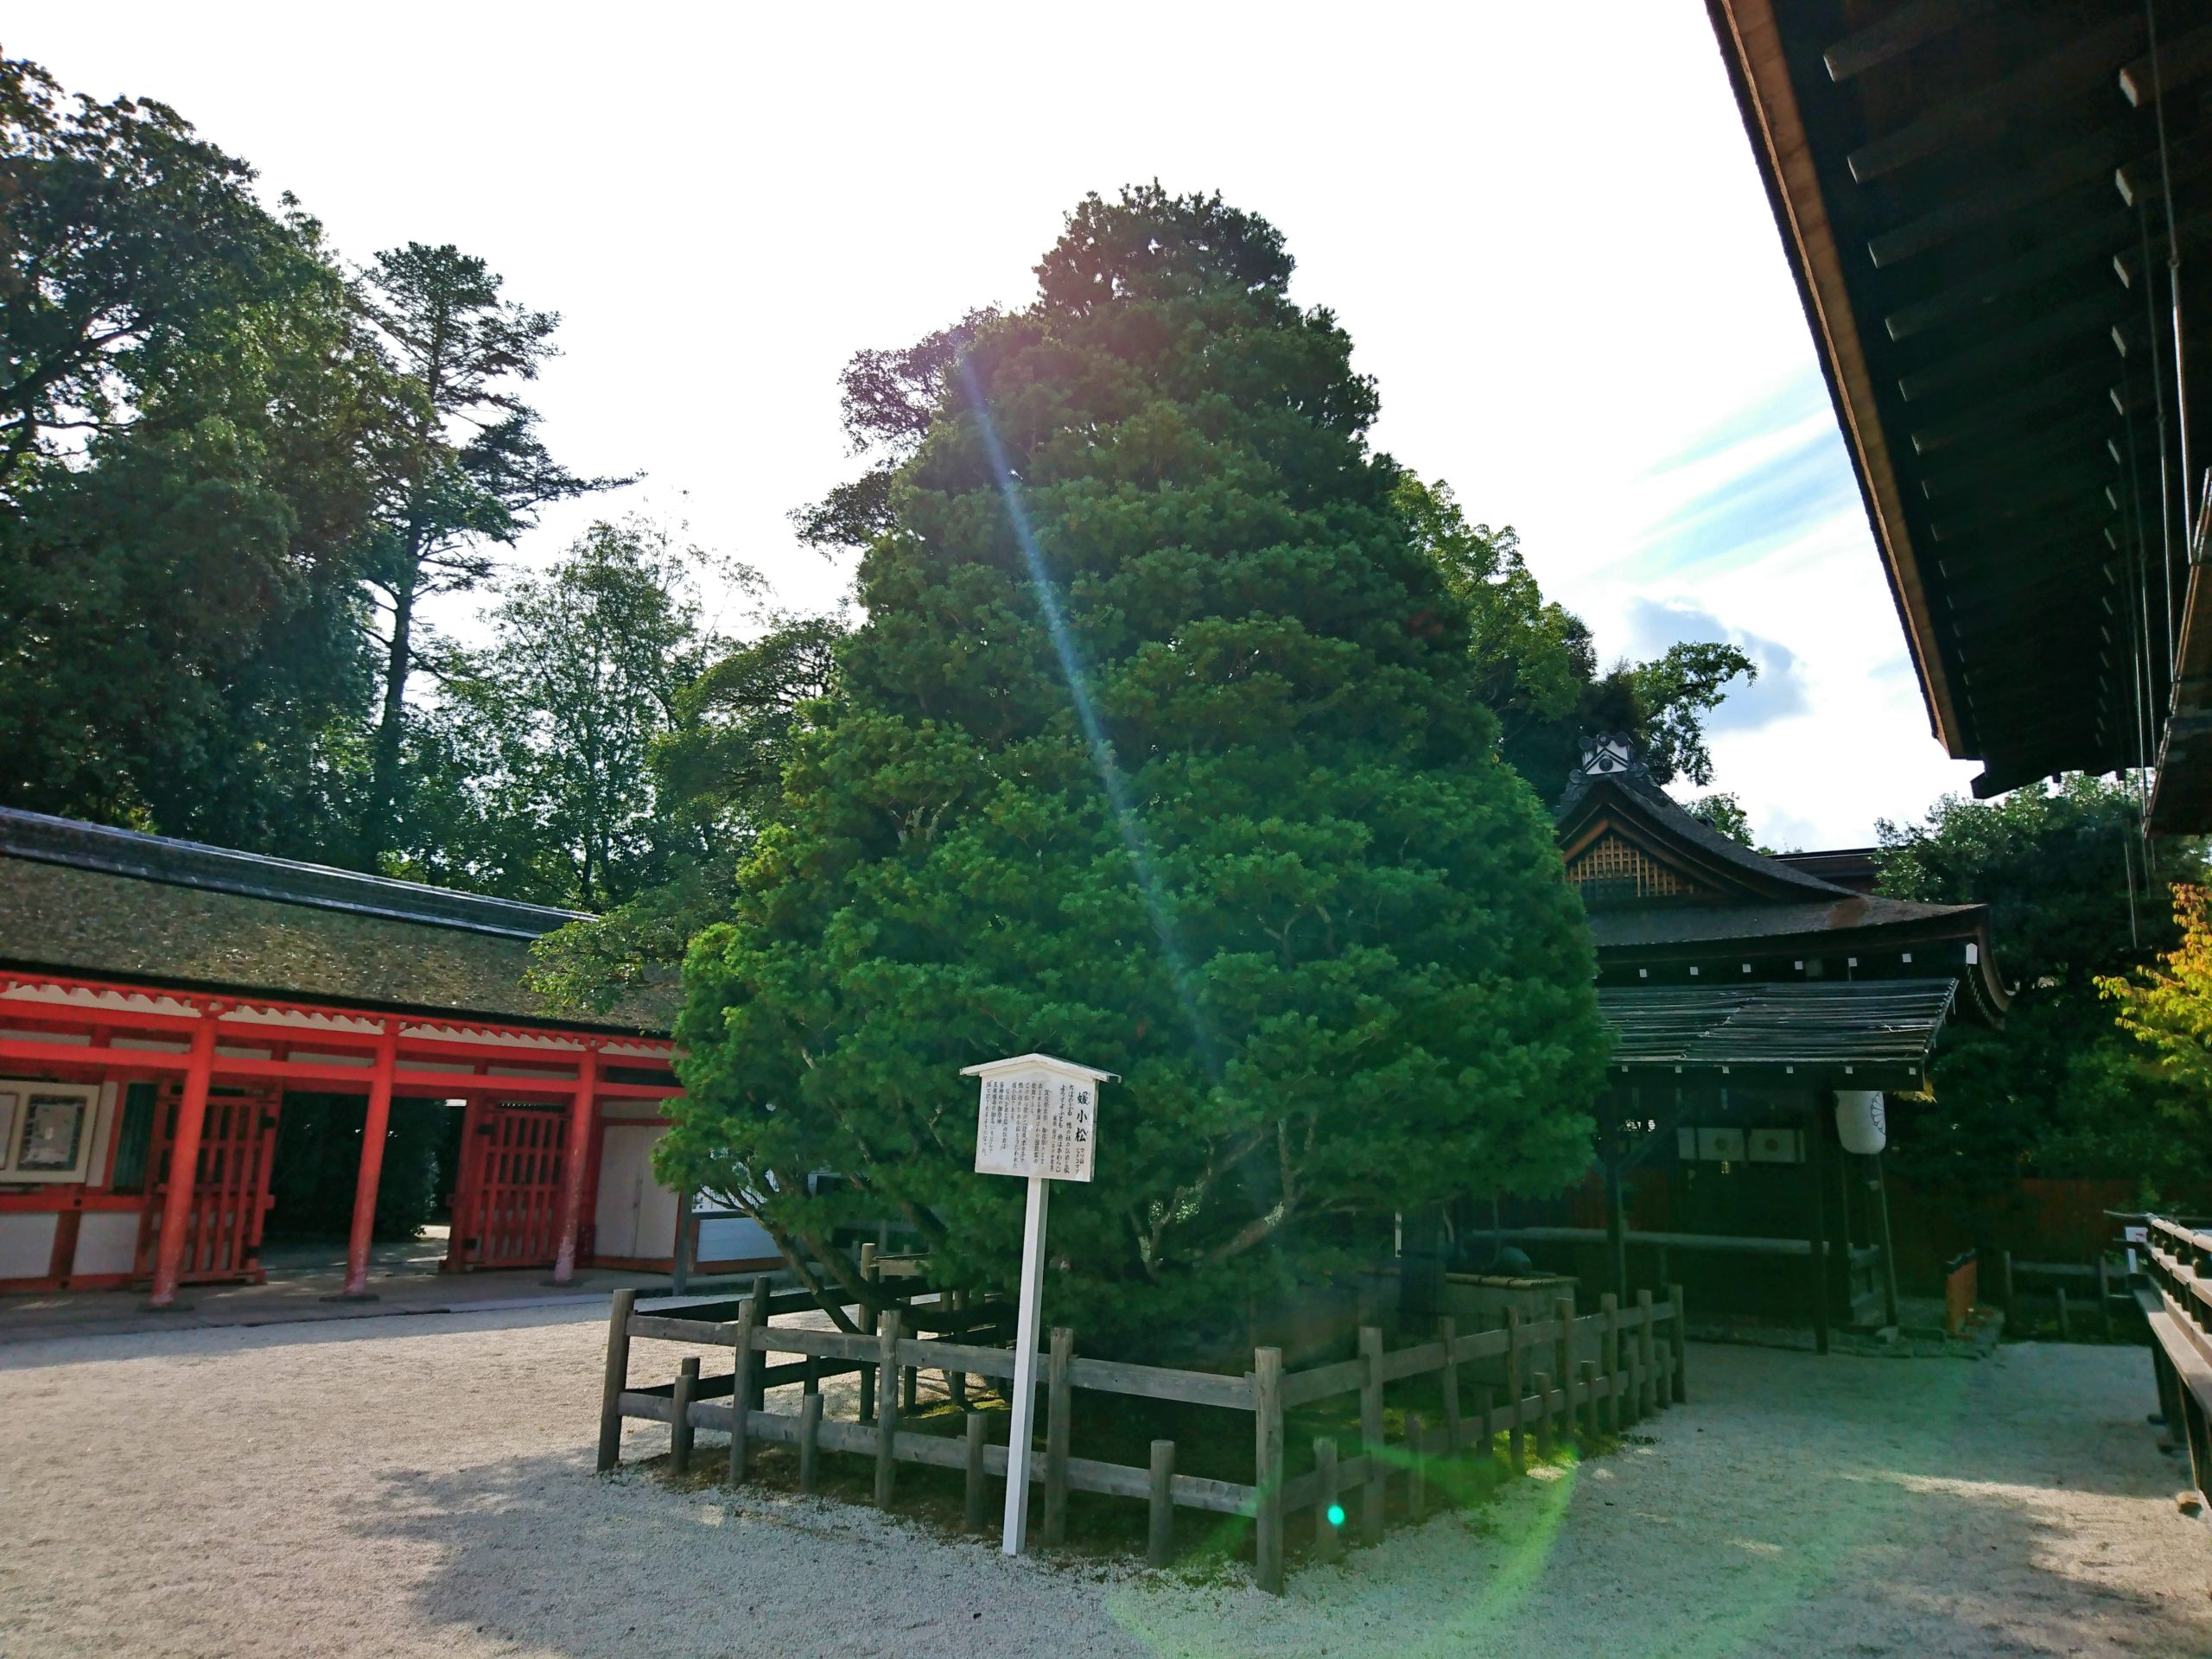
[1038, 1120]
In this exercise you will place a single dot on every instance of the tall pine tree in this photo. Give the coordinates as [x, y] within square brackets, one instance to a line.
[1159, 750]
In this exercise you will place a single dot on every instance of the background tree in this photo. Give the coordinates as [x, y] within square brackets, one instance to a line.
[120, 229]
[189, 425]
[536, 762]
[1537, 666]
[2167, 1006]
[1725, 812]
[717, 776]
[1160, 748]
[2059, 1091]
[467, 472]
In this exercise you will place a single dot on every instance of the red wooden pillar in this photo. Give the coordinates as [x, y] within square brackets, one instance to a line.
[577, 1156]
[184, 1160]
[467, 1187]
[374, 1131]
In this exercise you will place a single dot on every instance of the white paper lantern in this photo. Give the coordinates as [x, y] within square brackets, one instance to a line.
[1859, 1120]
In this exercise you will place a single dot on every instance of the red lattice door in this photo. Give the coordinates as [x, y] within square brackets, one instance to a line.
[230, 1194]
[507, 1204]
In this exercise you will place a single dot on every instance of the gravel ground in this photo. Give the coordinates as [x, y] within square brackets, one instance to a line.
[423, 1487]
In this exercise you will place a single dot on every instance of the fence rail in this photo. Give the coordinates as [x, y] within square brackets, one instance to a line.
[2178, 1303]
[1549, 1377]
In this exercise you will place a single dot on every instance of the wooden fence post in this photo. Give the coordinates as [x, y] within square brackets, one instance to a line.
[1160, 1490]
[2104, 1295]
[740, 1389]
[810, 1442]
[617, 1379]
[2065, 1322]
[760, 1305]
[1542, 1384]
[867, 1322]
[1589, 1429]
[1609, 1357]
[887, 1412]
[1487, 1429]
[2005, 1278]
[1370, 1434]
[1060, 1405]
[1416, 1466]
[1448, 1332]
[976, 1514]
[1328, 1534]
[1515, 1443]
[1266, 1468]
[1646, 1394]
[1563, 1357]
[955, 1382]
[1678, 1338]
[679, 1424]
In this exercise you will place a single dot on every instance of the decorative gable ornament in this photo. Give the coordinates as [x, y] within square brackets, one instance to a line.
[1608, 755]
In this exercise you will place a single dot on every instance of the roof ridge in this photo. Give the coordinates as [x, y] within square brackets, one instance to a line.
[134, 853]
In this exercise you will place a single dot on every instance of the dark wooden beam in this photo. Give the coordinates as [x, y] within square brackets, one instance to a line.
[2145, 178]
[1904, 28]
[2180, 61]
[2127, 263]
[2078, 65]
[2054, 259]
[1998, 201]
[1959, 473]
[2083, 320]
[2073, 388]
[1999, 487]
[2023, 502]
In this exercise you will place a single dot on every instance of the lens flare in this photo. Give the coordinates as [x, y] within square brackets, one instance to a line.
[1094, 732]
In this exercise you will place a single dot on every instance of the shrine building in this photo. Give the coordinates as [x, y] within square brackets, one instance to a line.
[160, 998]
[1758, 1005]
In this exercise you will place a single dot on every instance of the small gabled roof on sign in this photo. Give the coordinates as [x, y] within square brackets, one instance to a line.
[990, 1069]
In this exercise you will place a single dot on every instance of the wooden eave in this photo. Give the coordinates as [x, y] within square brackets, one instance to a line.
[1970, 195]
[1752, 53]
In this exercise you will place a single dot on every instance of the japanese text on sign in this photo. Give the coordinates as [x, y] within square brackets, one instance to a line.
[1037, 1125]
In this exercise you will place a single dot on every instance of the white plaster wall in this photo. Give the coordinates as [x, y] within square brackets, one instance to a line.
[27, 1245]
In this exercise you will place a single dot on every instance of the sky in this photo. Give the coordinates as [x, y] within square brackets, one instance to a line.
[1550, 248]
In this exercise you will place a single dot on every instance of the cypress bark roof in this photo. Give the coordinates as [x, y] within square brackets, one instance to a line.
[1868, 1022]
[85, 899]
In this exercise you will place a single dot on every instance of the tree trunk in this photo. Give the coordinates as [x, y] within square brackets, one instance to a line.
[379, 828]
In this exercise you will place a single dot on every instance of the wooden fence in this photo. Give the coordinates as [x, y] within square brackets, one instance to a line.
[1558, 1376]
[2072, 1288]
[2177, 1302]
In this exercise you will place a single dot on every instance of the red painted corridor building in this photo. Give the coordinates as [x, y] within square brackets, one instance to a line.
[158, 998]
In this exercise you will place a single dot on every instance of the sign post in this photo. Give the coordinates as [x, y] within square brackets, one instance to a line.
[1038, 1119]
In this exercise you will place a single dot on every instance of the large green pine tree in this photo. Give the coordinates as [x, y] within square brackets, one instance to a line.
[1159, 750]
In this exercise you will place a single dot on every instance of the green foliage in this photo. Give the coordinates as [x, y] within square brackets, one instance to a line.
[185, 426]
[1160, 749]
[465, 469]
[1536, 668]
[1725, 813]
[120, 232]
[717, 774]
[2059, 1091]
[2167, 1006]
[535, 763]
